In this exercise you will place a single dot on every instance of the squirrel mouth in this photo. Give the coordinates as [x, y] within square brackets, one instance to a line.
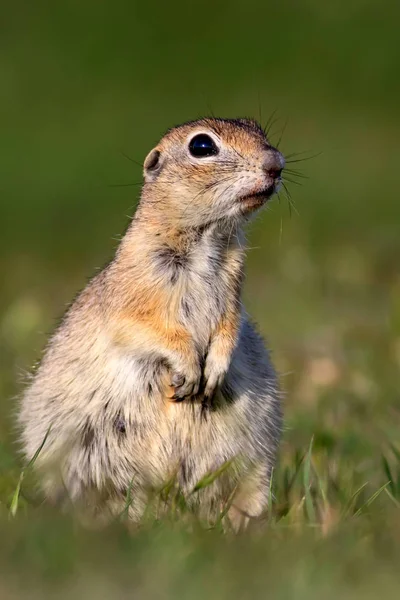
[258, 198]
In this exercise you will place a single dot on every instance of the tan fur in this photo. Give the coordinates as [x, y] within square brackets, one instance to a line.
[164, 322]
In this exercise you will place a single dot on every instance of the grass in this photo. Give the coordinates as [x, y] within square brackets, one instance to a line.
[324, 534]
[86, 82]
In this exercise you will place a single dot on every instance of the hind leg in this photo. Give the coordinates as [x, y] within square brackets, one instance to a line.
[251, 498]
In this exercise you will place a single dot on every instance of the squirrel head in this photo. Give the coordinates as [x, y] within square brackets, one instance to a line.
[211, 170]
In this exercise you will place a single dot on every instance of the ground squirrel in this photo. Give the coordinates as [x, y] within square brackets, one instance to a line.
[156, 370]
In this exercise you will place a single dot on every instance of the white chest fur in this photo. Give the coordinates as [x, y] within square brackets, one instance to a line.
[205, 287]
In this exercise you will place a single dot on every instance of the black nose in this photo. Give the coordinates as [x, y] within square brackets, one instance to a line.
[274, 173]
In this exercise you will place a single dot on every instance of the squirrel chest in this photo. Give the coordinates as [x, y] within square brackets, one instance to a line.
[202, 281]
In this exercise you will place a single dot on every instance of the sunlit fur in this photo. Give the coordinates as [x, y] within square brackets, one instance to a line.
[169, 304]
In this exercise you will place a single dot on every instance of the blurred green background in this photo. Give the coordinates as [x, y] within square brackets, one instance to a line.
[85, 83]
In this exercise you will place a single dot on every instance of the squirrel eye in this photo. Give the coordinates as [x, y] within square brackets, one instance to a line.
[202, 145]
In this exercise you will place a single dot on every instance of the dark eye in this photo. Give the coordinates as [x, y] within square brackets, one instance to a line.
[202, 145]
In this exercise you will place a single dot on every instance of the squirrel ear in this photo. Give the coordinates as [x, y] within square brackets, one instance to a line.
[152, 164]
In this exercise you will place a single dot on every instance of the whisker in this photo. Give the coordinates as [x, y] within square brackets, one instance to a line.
[282, 133]
[298, 153]
[270, 122]
[210, 110]
[290, 200]
[289, 162]
[124, 184]
[271, 134]
[296, 173]
[135, 162]
[259, 106]
[288, 194]
[289, 156]
[237, 152]
[292, 181]
[281, 226]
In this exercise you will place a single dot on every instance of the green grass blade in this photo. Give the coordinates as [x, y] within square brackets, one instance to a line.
[209, 478]
[128, 500]
[353, 498]
[270, 497]
[389, 475]
[371, 499]
[393, 499]
[38, 451]
[226, 507]
[395, 451]
[15, 499]
[307, 485]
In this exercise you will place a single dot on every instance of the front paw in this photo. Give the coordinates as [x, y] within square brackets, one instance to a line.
[185, 385]
[214, 374]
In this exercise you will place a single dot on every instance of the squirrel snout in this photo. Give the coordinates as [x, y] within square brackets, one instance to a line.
[274, 163]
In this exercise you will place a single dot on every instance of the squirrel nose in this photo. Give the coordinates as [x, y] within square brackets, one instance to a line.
[274, 163]
[274, 173]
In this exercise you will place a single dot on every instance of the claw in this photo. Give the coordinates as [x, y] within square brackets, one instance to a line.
[182, 388]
